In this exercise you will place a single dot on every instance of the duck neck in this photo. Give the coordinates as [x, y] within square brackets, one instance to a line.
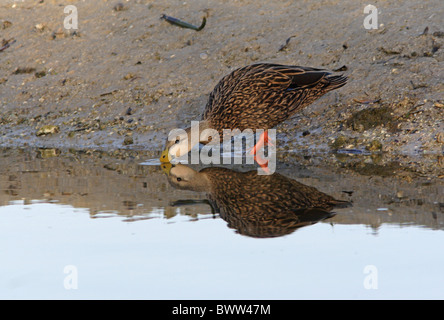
[201, 183]
[198, 132]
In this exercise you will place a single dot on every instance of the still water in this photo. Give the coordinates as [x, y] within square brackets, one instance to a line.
[91, 225]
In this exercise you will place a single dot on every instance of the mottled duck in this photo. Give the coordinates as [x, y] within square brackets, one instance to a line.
[256, 205]
[258, 96]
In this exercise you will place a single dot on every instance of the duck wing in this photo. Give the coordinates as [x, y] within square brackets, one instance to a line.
[263, 95]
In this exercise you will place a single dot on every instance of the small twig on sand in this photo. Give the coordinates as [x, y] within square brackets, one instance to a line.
[6, 44]
[183, 24]
[284, 46]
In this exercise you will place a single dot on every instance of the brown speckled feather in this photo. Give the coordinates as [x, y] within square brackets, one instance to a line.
[256, 205]
[260, 96]
[274, 192]
[266, 205]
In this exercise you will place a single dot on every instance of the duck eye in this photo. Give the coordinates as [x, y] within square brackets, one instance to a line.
[179, 179]
[177, 141]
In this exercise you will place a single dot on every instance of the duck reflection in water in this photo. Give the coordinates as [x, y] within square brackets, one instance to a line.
[255, 205]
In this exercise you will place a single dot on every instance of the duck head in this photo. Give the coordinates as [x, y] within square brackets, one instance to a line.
[181, 141]
[177, 145]
[186, 178]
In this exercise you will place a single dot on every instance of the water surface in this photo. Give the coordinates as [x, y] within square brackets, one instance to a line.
[97, 225]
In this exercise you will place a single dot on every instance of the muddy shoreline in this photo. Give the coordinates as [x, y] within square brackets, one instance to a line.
[125, 77]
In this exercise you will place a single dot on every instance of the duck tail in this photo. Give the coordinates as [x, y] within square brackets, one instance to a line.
[335, 82]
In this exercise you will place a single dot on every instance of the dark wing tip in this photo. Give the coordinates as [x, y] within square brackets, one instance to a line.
[335, 82]
[307, 79]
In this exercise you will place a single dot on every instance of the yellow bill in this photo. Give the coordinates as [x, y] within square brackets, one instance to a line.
[165, 156]
[166, 167]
